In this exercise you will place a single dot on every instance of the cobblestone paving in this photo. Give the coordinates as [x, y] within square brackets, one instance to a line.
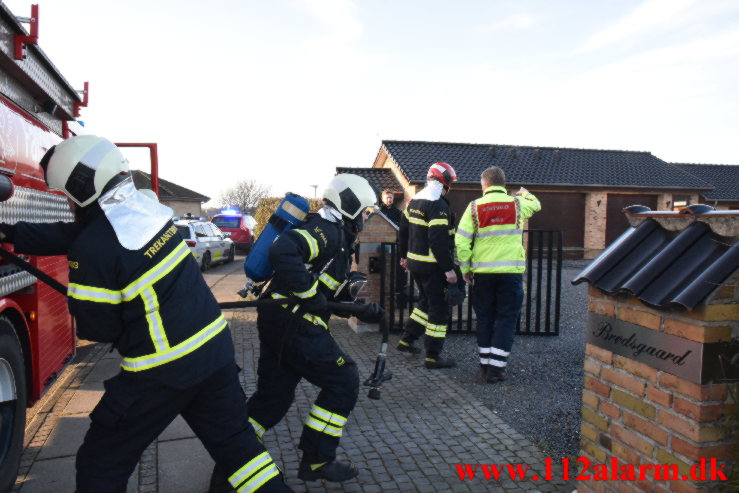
[413, 437]
[410, 440]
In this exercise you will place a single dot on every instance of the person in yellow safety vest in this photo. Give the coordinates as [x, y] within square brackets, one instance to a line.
[491, 256]
[426, 252]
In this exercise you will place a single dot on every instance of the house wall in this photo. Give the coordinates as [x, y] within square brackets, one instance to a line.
[581, 213]
[181, 207]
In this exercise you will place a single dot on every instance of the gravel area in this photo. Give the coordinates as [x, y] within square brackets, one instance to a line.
[541, 397]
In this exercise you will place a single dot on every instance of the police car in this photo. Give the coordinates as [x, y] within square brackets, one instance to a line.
[207, 243]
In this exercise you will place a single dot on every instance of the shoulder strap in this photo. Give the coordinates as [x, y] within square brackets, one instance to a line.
[519, 224]
[475, 222]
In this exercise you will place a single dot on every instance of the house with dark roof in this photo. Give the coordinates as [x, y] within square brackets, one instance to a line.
[582, 191]
[723, 177]
[182, 200]
[380, 179]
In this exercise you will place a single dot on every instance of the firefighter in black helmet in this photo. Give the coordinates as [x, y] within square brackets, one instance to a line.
[312, 265]
[425, 251]
[134, 283]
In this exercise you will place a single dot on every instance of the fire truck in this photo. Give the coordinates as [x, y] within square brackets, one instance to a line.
[38, 108]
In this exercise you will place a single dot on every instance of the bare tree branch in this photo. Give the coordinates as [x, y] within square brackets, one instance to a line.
[245, 194]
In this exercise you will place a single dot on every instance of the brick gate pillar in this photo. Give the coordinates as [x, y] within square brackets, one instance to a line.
[660, 389]
[377, 229]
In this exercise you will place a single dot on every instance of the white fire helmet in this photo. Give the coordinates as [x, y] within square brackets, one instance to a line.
[350, 194]
[82, 166]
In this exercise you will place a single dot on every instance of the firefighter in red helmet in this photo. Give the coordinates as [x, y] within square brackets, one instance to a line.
[426, 247]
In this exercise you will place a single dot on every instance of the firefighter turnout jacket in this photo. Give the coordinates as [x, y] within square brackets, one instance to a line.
[152, 304]
[426, 230]
[312, 258]
[489, 237]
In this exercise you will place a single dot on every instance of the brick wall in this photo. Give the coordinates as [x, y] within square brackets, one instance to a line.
[595, 223]
[642, 415]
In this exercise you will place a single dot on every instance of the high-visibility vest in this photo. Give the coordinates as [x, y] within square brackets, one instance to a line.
[489, 238]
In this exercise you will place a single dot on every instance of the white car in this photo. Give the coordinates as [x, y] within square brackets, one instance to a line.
[207, 243]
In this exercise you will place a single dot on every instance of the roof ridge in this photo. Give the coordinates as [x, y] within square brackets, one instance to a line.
[516, 146]
[717, 165]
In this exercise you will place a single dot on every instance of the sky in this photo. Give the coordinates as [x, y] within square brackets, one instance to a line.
[284, 91]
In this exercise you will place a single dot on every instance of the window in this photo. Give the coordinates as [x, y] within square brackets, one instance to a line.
[184, 232]
[680, 201]
[227, 221]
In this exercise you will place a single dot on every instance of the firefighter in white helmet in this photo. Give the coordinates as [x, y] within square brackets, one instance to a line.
[312, 264]
[134, 283]
[425, 248]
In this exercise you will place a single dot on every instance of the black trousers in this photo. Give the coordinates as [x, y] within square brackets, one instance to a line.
[134, 410]
[293, 348]
[430, 316]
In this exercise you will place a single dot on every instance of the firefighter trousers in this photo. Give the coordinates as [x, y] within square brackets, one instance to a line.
[307, 352]
[497, 302]
[135, 410]
[430, 315]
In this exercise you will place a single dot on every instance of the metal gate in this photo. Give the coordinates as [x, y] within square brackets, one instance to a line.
[542, 290]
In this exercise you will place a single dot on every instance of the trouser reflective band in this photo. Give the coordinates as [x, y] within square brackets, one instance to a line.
[254, 474]
[485, 355]
[325, 421]
[498, 357]
[258, 429]
[419, 316]
[433, 330]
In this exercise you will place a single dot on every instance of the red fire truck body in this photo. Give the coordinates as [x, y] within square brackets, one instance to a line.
[37, 109]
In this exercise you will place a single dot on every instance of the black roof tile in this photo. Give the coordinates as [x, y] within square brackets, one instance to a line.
[379, 178]
[662, 267]
[724, 177]
[526, 165]
[167, 189]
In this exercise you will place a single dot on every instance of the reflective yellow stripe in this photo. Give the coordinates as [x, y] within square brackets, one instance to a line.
[259, 479]
[328, 416]
[420, 313]
[439, 222]
[329, 281]
[156, 327]
[157, 272]
[315, 320]
[184, 348]
[322, 427]
[258, 429]
[418, 319]
[91, 293]
[420, 222]
[311, 291]
[434, 330]
[249, 470]
[422, 258]
[312, 243]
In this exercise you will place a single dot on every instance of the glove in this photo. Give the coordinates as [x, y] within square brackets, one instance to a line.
[454, 295]
[7, 232]
[372, 314]
[314, 304]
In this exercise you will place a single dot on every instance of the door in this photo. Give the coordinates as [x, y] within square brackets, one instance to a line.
[616, 222]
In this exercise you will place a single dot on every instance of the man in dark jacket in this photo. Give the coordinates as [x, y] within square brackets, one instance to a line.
[426, 251]
[392, 213]
[134, 283]
[311, 265]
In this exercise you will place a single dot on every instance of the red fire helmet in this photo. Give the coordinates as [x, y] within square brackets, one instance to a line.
[443, 172]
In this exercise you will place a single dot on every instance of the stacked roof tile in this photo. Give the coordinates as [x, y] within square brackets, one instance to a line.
[668, 258]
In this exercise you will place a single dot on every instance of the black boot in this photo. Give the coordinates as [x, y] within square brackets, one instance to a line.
[483, 373]
[495, 375]
[436, 362]
[333, 471]
[407, 347]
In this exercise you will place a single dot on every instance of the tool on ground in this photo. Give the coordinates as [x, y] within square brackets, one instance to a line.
[379, 376]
